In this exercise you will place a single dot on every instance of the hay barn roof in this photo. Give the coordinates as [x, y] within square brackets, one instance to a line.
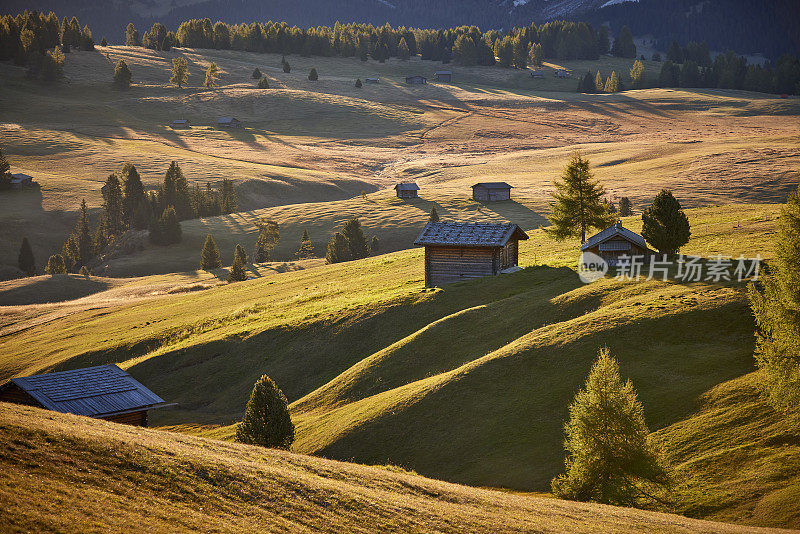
[617, 230]
[407, 186]
[469, 234]
[493, 185]
[92, 391]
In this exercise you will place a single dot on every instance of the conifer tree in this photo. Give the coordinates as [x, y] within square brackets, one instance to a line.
[268, 238]
[637, 74]
[132, 195]
[375, 244]
[599, 86]
[26, 261]
[775, 301]
[100, 239]
[578, 202]
[664, 224]
[237, 272]
[85, 272]
[536, 54]
[257, 74]
[603, 43]
[434, 215]
[285, 65]
[113, 206]
[612, 83]
[103, 42]
[609, 459]
[229, 202]
[266, 420]
[338, 249]
[212, 73]
[84, 238]
[358, 83]
[312, 75]
[131, 36]
[180, 71]
[122, 75]
[306, 249]
[625, 208]
[175, 192]
[587, 83]
[402, 50]
[623, 44]
[55, 265]
[209, 257]
[5, 172]
[356, 240]
[263, 83]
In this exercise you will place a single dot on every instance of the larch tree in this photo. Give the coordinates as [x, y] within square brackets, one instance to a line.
[608, 457]
[599, 85]
[55, 265]
[664, 224]
[212, 73]
[637, 74]
[122, 75]
[266, 420]
[612, 83]
[536, 54]
[209, 257]
[775, 301]
[26, 260]
[180, 71]
[306, 249]
[268, 238]
[578, 204]
[237, 272]
[403, 52]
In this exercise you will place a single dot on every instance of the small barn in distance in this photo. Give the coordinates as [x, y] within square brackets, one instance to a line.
[491, 191]
[461, 251]
[406, 190]
[179, 124]
[229, 122]
[537, 74]
[443, 76]
[416, 80]
[104, 392]
[372, 79]
[616, 241]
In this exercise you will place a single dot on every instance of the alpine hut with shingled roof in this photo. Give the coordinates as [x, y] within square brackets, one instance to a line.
[406, 190]
[461, 251]
[491, 191]
[616, 241]
[103, 392]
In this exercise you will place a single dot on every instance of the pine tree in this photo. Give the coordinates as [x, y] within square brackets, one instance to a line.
[84, 238]
[402, 50]
[263, 83]
[578, 202]
[113, 206]
[268, 238]
[675, 53]
[358, 83]
[587, 84]
[103, 42]
[338, 249]
[285, 65]
[603, 42]
[26, 261]
[536, 54]
[132, 195]
[209, 257]
[625, 208]
[623, 44]
[175, 192]
[237, 272]
[306, 249]
[609, 459]
[775, 302]
[637, 74]
[132, 36]
[356, 240]
[212, 73]
[229, 202]
[180, 71]
[55, 265]
[664, 224]
[266, 420]
[257, 74]
[312, 75]
[612, 83]
[599, 86]
[434, 215]
[122, 75]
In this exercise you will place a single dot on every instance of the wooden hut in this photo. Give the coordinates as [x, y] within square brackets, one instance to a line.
[461, 251]
[406, 190]
[491, 191]
[443, 76]
[372, 80]
[614, 242]
[19, 181]
[562, 73]
[537, 74]
[180, 124]
[104, 392]
[228, 122]
[416, 80]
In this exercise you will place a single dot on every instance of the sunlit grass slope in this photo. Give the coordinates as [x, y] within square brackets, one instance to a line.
[63, 473]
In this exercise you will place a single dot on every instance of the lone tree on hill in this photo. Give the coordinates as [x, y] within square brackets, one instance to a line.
[268, 238]
[312, 75]
[775, 301]
[306, 249]
[180, 71]
[212, 73]
[664, 224]
[625, 207]
[257, 74]
[434, 215]
[578, 203]
[358, 83]
[56, 265]
[209, 258]
[266, 420]
[285, 65]
[237, 272]
[122, 75]
[26, 261]
[608, 457]
[263, 83]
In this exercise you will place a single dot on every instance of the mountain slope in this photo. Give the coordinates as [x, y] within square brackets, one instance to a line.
[73, 474]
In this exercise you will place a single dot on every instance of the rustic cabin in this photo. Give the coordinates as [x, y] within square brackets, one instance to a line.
[406, 190]
[443, 76]
[19, 181]
[103, 392]
[460, 251]
[180, 124]
[416, 80]
[372, 80]
[491, 191]
[537, 74]
[228, 122]
[562, 73]
[614, 242]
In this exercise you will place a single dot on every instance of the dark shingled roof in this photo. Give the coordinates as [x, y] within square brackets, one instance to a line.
[93, 391]
[467, 234]
[614, 231]
[407, 186]
[226, 120]
[493, 185]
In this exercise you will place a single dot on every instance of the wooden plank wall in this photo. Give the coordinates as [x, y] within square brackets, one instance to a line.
[445, 265]
[133, 418]
[17, 395]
